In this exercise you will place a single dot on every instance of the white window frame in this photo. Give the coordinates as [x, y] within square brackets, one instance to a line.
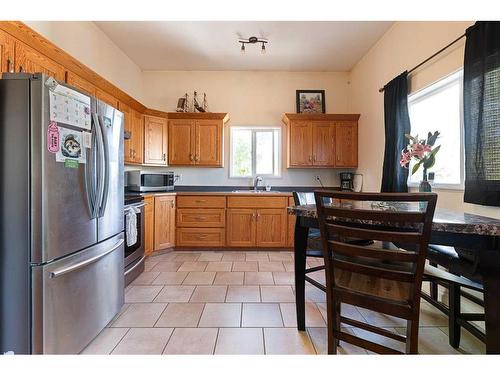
[276, 159]
[431, 89]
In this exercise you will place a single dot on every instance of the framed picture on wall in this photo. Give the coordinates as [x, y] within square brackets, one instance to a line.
[310, 101]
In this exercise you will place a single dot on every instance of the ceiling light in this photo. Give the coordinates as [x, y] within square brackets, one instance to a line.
[253, 40]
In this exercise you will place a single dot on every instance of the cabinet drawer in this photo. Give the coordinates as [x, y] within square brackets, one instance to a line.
[206, 217]
[201, 201]
[257, 202]
[203, 237]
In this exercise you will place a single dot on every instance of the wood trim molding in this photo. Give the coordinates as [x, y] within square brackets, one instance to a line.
[287, 117]
[198, 116]
[36, 41]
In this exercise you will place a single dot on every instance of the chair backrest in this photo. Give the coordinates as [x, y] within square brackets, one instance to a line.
[301, 198]
[381, 277]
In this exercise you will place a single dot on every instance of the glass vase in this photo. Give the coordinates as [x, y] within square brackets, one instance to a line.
[425, 186]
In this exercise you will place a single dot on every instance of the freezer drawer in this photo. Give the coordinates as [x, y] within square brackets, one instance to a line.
[75, 297]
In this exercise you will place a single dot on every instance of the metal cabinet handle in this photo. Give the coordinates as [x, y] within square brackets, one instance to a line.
[201, 218]
[10, 67]
[191, 157]
[164, 157]
[197, 158]
[74, 267]
[172, 204]
[310, 158]
[200, 201]
[201, 236]
[20, 69]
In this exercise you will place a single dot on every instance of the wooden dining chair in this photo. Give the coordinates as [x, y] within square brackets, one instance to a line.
[380, 277]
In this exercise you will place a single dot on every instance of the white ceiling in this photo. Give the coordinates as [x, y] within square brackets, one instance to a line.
[212, 45]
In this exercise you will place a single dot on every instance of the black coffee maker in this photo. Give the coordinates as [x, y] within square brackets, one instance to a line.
[346, 181]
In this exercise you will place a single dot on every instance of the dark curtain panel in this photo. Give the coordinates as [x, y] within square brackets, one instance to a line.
[397, 124]
[482, 114]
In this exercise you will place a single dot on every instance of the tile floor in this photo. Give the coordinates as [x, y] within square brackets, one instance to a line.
[241, 303]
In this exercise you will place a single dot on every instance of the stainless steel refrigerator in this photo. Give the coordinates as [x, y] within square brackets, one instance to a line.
[61, 228]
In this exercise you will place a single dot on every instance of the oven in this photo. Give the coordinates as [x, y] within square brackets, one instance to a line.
[134, 253]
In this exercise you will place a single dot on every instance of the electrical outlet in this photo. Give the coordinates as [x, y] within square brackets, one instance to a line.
[177, 177]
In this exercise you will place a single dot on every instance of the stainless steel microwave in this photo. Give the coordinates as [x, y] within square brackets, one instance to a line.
[146, 181]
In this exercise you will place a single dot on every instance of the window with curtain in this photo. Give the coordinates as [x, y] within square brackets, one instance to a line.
[255, 152]
[439, 107]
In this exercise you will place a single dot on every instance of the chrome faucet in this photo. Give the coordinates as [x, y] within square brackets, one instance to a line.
[256, 182]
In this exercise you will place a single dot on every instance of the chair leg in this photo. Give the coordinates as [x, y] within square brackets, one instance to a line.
[331, 317]
[412, 336]
[337, 322]
[454, 313]
[433, 285]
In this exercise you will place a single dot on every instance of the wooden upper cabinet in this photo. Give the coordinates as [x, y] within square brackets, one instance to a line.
[81, 84]
[322, 140]
[137, 137]
[323, 143]
[31, 61]
[346, 144]
[208, 143]
[155, 140]
[6, 52]
[128, 149]
[164, 225]
[181, 142]
[300, 144]
[196, 139]
[106, 98]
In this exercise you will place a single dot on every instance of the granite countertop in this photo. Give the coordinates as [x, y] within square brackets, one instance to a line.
[444, 220]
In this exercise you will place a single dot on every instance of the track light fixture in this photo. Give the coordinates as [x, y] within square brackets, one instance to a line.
[253, 40]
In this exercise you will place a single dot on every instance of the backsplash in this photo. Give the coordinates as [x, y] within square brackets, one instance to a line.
[220, 176]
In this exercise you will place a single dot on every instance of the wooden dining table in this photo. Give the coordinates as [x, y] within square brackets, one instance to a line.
[479, 234]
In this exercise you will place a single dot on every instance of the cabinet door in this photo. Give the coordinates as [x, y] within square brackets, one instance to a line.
[181, 142]
[81, 84]
[323, 136]
[106, 98]
[300, 145]
[346, 144]
[291, 225]
[6, 52]
[137, 137]
[155, 140]
[30, 61]
[271, 227]
[149, 222]
[240, 225]
[128, 149]
[164, 232]
[208, 143]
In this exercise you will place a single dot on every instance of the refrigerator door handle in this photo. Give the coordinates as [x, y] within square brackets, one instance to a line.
[79, 265]
[100, 166]
[89, 174]
[105, 163]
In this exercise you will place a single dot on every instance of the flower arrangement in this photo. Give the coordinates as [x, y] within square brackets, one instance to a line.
[422, 151]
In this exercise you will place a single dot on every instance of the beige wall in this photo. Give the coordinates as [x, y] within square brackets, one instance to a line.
[88, 44]
[404, 45]
[251, 98]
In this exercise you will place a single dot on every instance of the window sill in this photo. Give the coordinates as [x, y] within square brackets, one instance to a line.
[454, 187]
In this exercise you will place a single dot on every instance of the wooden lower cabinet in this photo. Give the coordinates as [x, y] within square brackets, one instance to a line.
[271, 227]
[200, 237]
[164, 228]
[241, 226]
[149, 223]
[266, 227]
[204, 218]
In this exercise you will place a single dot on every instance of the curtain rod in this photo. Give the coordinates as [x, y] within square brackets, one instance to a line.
[430, 57]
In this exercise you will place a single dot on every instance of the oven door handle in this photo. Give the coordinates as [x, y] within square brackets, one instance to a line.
[135, 206]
